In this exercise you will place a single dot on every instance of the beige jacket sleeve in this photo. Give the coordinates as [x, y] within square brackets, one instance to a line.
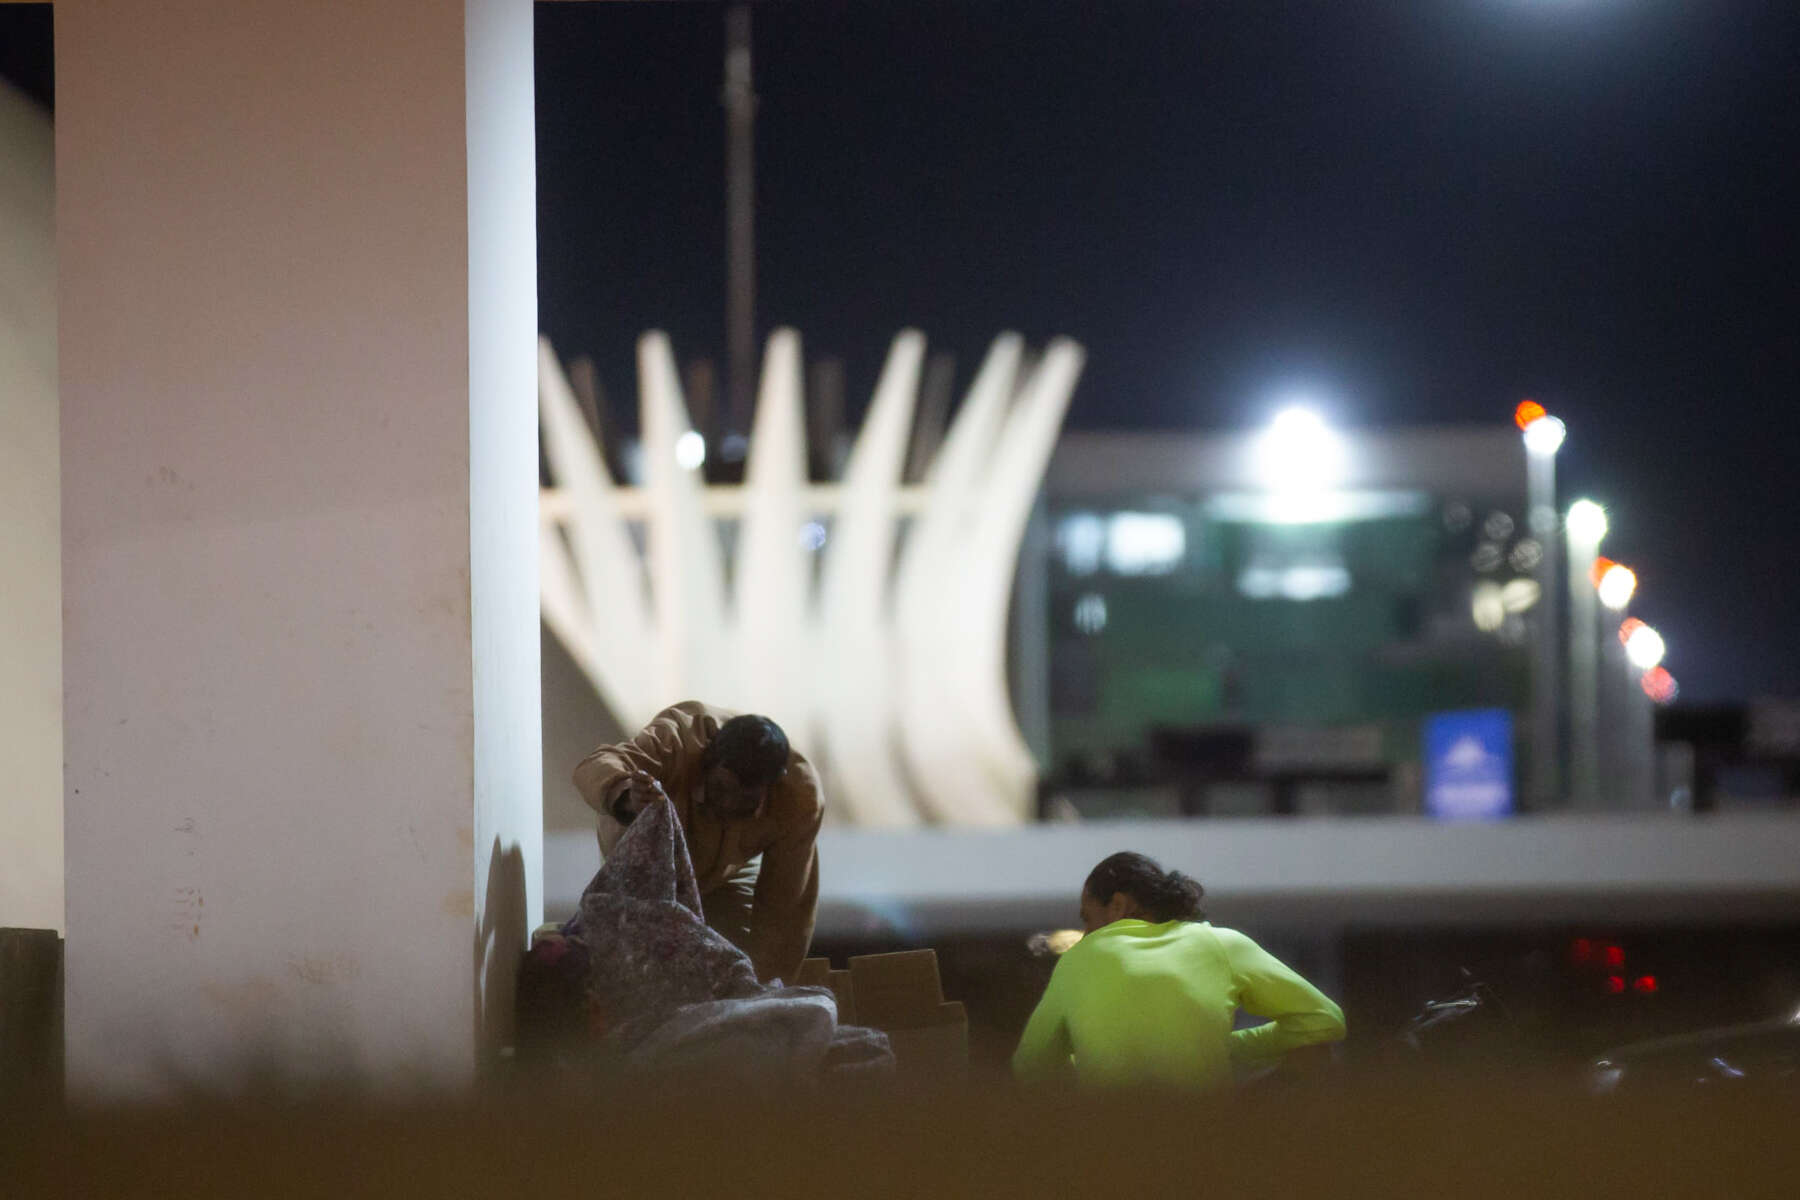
[660, 750]
[787, 888]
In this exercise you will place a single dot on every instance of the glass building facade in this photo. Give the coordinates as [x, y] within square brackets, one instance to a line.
[1326, 628]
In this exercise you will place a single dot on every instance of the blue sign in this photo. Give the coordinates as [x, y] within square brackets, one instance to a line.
[1469, 765]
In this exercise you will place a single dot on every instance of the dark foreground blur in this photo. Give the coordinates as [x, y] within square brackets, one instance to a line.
[1485, 1132]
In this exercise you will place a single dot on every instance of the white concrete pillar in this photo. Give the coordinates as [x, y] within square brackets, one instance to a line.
[31, 835]
[298, 309]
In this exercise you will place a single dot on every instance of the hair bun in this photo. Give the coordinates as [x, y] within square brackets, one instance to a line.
[1162, 895]
[1183, 894]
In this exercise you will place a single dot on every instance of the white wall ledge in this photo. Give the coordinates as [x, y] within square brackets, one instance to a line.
[1302, 872]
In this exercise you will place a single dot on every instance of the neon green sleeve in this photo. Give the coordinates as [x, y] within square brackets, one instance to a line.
[1299, 1013]
[1044, 1048]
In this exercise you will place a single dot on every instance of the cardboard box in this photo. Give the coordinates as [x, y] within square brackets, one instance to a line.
[814, 972]
[933, 1051]
[844, 988]
[902, 995]
[897, 991]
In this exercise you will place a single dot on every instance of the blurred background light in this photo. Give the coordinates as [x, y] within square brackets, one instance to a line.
[1659, 685]
[1080, 540]
[1487, 606]
[1142, 543]
[1617, 583]
[1314, 581]
[1519, 595]
[690, 450]
[1300, 452]
[1587, 521]
[1297, 581]
[1317, 508]
[1090, 613]
[1644, 647]
[1544, 437]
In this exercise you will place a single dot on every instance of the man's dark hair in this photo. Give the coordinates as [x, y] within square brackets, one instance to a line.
[752, 748]
[1163, 895]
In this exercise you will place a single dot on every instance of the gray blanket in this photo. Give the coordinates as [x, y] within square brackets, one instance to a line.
[668, 993]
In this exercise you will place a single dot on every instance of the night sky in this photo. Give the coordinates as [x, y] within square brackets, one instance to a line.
[1413, 213]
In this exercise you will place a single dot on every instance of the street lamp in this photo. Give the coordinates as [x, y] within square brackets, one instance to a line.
[1300, 458]
[1300, 451]
[1543, 435]
[1616, 585]
[1643, 645]
[1587, 523]
[1586, 526]
[1636, 686]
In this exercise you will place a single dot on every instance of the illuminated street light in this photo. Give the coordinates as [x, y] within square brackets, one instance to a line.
[1587, 522]
[1585, 526]
[1644, 647]
[1544, 436]
[1300, 450]
[1617, 583]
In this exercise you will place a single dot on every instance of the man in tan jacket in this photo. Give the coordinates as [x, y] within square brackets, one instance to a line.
[750, 807]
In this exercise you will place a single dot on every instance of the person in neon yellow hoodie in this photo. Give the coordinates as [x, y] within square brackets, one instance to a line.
[1151, 991]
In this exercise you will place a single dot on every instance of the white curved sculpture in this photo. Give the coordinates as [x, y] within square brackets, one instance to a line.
[893, 677]
[856, 651]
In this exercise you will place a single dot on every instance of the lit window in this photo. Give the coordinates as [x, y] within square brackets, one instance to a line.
[1140, 543]
[1314, 582]
[1487, 606]
[1299, 581]
[1090, 613]
[1519, 595]
[1080, 537]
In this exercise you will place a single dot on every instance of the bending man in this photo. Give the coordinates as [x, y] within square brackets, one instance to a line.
[750, 807]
